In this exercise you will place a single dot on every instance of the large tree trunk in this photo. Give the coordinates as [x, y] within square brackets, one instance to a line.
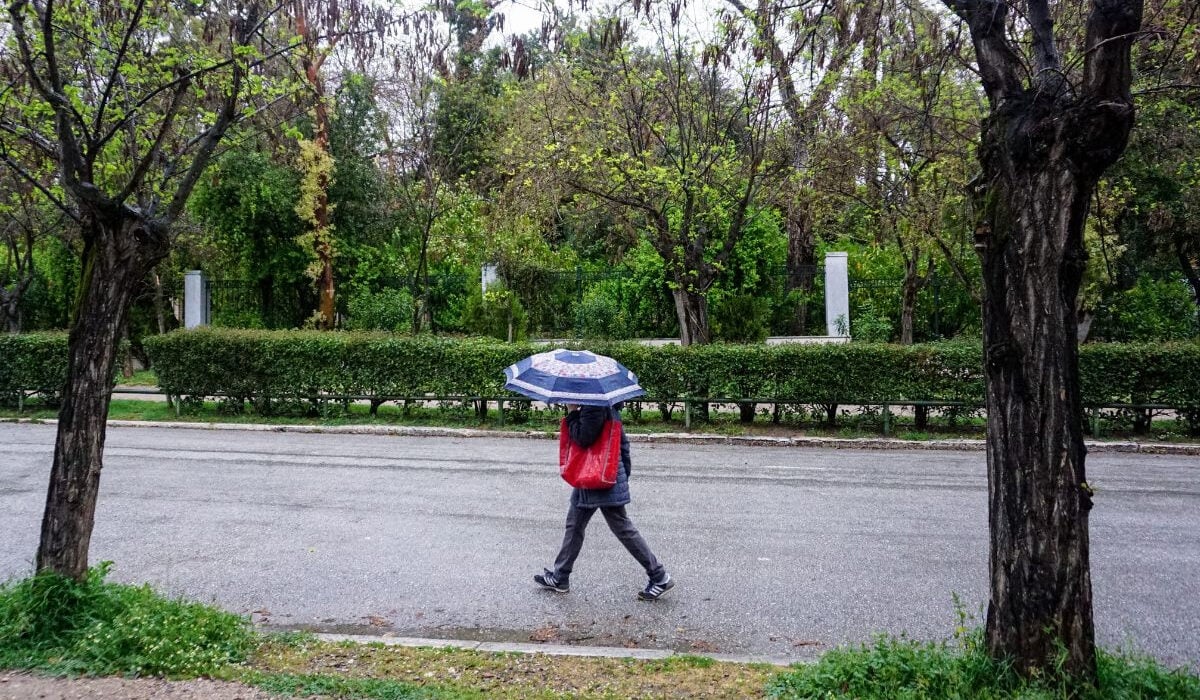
[1041, 160]
[121, 250]
[692, 309]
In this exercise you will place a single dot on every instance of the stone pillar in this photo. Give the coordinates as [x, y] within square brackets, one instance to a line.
[837, 295]
[196, 305]
[487, 276]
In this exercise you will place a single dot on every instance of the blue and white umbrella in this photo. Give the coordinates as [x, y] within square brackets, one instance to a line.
[573, 376]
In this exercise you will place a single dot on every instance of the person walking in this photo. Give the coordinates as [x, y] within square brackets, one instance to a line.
[584, 425]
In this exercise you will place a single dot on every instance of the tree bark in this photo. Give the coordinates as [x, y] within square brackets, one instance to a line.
[120, 252]
[1047, 139]
[1041, 162]
[692, 309]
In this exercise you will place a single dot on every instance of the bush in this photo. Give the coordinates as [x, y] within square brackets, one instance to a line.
[386, 310]
[599, 313]
[497, 313]
[905, 669]
[1152, 310]
[58, 624]
[268, 365]
[742, 318]
[34, 363]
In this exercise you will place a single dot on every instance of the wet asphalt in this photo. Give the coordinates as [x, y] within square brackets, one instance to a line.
[779, 552]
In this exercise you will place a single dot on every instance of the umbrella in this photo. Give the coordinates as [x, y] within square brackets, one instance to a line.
[573, 376]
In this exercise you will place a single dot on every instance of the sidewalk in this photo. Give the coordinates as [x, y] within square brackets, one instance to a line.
[550, 649]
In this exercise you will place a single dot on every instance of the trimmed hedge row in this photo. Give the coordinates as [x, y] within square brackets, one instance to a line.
[34, 363]
[298, 364]
[286, 365]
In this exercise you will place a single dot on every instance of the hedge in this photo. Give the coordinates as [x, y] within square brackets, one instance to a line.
[255, 365]
[32, 363]
[298, 365]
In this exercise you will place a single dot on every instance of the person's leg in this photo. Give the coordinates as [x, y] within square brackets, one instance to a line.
[621, 526]
[577, 522]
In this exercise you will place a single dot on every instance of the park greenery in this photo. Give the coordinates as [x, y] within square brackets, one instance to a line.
[1021, 170]
[630, 176]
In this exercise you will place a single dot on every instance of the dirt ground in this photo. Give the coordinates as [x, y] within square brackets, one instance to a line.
[21, 686]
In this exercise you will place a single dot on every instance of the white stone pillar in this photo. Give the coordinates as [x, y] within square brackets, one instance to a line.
[196, 307]
[837, 295]
[487, 276]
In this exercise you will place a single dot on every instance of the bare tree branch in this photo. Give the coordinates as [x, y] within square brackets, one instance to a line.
[116, 66]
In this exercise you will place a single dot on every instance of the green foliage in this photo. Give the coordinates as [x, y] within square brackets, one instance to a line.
[247, 204]
[272, 365]
[741, 318]
[496, 313]
[385, 310]
[336, 686]
[34, 363]
[600, 314]
[61, 625]
[870, 325]
[903, 669]
[1152, 309]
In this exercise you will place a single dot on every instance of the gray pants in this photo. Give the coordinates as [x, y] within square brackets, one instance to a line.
[621, 526]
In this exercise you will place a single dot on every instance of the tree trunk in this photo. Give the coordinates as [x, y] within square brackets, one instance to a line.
[692, 310]
[119, 254]
[324, 246]
[311, 59]
[1041, 160]
[160, 307]
[908, 308]
[801, 261]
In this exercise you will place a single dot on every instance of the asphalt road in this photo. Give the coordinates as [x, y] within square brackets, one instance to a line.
[778, 552]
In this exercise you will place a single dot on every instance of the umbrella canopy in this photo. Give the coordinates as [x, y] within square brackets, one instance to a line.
[573, 376]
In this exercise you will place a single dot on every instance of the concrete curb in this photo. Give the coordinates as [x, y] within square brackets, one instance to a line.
[1093, 446]
[548, 649]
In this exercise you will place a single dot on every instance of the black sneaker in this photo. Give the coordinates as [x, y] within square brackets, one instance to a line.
[548, 580]
[654, 591]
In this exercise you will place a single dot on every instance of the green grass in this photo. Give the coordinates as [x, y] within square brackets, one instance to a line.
[59, 625]
[902, 669]
[336, 686]
[144, 377]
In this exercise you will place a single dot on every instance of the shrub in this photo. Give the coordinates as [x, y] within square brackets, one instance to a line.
[599, 313]
[497, 313]
[742, 318]
[905, 669]
[267, 365]
[386, 310]
[1152, 310]
[58, 624]
[34, 363]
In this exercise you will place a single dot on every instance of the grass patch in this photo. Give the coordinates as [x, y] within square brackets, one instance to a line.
[337, 686]
[142, 377]
[902, 669]
[461, 673]
[59, 625]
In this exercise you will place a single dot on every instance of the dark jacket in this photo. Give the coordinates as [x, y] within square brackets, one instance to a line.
[584, 426]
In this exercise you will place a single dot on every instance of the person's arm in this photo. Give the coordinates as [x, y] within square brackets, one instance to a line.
[585, 423]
